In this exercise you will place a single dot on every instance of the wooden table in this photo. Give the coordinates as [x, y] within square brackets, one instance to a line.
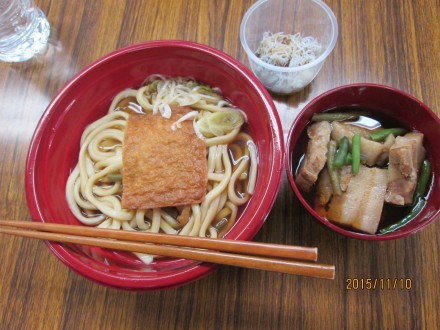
[394, 42]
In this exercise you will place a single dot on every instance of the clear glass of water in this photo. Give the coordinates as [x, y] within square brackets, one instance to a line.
[24, 30]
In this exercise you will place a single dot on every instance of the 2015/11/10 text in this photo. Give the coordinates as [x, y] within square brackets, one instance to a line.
[378, 284]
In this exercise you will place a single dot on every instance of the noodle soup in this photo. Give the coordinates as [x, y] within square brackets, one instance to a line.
[55, 147]
[95, 188]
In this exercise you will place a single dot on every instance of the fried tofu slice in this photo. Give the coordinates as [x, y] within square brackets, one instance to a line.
[161, 166]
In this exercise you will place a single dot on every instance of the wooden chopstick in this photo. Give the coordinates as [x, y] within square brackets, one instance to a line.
[77, 236]
[227, 245]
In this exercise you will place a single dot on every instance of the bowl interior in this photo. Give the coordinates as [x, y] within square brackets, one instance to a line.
[55, 146]
[384, 103]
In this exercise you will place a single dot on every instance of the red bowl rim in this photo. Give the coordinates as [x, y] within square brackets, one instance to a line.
[288, 160]
[190, 273]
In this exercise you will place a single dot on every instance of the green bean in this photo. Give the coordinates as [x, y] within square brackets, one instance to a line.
[422, 184]
[414, 212]
[356, 153]
[418, 203]
[335, 116]
[382, 134]
[333, 172]
[114, 177]
[341, 153]
[348, 159]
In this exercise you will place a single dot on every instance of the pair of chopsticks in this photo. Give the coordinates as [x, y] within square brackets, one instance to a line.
[295, 260]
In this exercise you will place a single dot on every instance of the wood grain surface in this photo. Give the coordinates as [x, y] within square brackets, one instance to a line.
[394, 42]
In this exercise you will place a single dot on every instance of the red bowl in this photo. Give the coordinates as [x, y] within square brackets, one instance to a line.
[86, 97]
[385, 102]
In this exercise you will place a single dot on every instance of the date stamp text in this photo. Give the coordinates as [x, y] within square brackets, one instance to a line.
[378, 284]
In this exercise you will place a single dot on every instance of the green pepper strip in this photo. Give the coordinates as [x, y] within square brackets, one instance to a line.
[382, 134]
[414, 212]
[425, 174]
[333, 172]
[335, 116]
[356, 153]
[341, 153]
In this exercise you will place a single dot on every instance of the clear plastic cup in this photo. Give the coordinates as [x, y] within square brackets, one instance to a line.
[310, 18]
[24, 30]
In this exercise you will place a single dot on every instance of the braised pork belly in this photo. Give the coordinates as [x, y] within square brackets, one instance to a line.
[388, 173]
[316, 155]
[371, 151]
[405, 158]
[360, 207]
[324, 189]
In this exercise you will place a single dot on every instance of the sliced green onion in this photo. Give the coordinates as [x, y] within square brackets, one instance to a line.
[223, 122]
[202, 125]
[221, 224]
[220, 123]
[152, 87]
[206, 88]
[114, 177]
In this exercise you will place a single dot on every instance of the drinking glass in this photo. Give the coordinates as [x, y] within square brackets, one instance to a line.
[24, 30]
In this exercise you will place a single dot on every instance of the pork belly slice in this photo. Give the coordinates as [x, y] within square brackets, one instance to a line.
[405, 158]
[383, 158]
[345, 175]
[161, 166]
[324, 190]
[360, 207]
[316, 155]
[371, 151]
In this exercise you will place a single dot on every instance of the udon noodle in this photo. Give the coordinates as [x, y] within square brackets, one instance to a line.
[95, 198]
